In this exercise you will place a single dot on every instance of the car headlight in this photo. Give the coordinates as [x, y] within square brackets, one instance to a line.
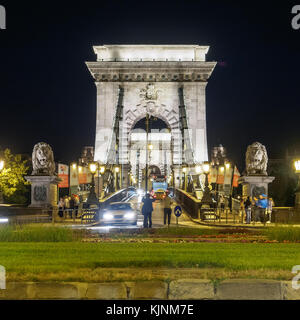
[129, 215]
[108, 216]
[3, 220]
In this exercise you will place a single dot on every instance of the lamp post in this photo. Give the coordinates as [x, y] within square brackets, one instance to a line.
[2, 164]
[297, 170]
[184, 170]
[146, 171]
[198, 170]
[101, 170]
[206, 199]
[92, 198]
[117, 170]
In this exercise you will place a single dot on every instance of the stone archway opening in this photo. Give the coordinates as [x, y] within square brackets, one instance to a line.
[160, 151]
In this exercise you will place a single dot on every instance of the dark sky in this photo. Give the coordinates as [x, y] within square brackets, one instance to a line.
[47, 93]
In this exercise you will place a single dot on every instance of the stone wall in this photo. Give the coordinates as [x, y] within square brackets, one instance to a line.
[183, 289]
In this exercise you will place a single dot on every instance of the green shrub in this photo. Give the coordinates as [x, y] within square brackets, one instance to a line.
[283, 233]
[37, 233]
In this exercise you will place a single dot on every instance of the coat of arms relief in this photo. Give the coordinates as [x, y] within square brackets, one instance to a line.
[150, 100]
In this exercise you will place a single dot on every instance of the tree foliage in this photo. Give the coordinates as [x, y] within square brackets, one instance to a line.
[13, 185]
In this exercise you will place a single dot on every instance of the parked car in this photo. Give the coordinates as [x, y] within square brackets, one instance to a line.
[118, 213]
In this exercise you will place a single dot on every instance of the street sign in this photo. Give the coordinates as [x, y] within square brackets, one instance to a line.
[177, 211]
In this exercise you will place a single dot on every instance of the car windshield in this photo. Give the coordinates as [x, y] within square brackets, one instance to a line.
[119, 206]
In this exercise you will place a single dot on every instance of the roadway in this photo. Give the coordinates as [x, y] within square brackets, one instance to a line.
[158, 214]
[157, 218]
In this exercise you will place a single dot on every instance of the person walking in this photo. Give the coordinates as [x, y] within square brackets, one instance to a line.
[66, 206]
[269, 209]
[167, 202]
[71, 205]
[247, 206]
[147, 210]
[262, 204]
[61, 207]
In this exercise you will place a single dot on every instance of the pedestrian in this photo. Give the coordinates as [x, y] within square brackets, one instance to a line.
[222, 203]
[76, 204]
[271, 204]
[66, 205]
[147, 210]
[262, 204]
[72, 205]
[61, 207]
[247, 205]
[167, 202]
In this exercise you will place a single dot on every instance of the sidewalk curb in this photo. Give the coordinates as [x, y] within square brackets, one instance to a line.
[183, 289]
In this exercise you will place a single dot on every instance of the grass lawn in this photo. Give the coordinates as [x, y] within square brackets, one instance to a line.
[78, 261]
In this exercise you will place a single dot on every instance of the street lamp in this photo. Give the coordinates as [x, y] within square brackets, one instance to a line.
[297, 170]
[198, 169]
[1, 165]
[117, 170]
[92, 198]
[206, 199]
[102, 169]
[184, 170]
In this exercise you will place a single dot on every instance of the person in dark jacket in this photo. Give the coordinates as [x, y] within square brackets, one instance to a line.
[147, 210]
[247, 205]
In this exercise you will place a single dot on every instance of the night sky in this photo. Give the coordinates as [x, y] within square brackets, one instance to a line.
[47, 93]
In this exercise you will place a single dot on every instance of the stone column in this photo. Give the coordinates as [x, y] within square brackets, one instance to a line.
[43, 191]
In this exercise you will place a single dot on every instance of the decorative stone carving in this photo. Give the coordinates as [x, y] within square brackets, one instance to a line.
[256, 159]
[43, 178]
[150, 93]
[40, 193]
[43, 160]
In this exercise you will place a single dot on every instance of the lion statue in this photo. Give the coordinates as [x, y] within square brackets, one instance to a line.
[43, 160]
[256, 159]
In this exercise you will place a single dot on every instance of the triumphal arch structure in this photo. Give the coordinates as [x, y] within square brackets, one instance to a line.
[165, 82]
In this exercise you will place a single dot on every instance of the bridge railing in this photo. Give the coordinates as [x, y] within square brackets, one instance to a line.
[190, 204]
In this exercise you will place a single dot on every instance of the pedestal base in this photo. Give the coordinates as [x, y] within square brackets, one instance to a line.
[253, 186]
[43, 191]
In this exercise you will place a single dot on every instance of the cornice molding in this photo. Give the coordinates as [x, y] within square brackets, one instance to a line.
[139, 71]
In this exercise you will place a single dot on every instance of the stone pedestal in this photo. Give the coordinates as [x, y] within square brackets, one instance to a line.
[253, 186]
[43, 191]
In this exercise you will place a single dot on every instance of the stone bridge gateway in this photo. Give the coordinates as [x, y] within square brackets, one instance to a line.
[163, 81]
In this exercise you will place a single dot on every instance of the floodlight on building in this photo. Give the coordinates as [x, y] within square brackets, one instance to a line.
[79, 169]
[227, 165]
[117, 169]
[74, 166]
